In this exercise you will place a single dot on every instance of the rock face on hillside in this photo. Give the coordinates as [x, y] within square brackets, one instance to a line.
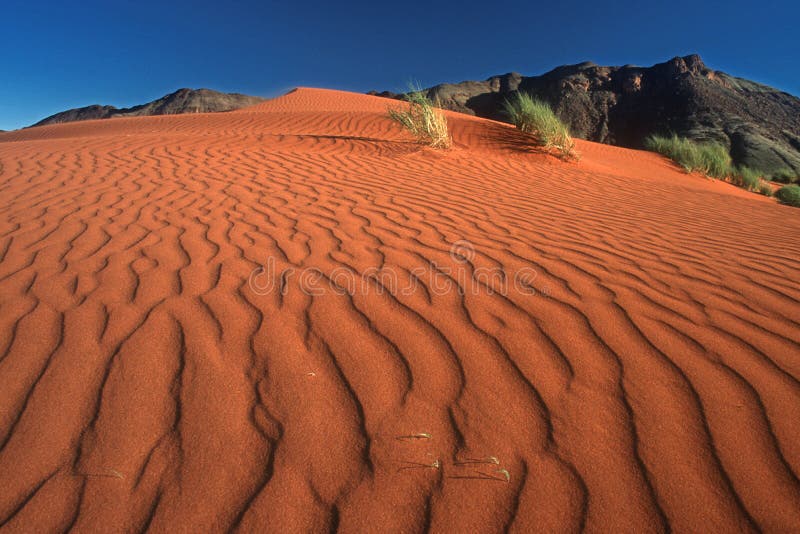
[623, 105]
[181, 101]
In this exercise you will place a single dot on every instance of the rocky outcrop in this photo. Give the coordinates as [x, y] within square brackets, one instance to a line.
[623, 105]
[181, 101]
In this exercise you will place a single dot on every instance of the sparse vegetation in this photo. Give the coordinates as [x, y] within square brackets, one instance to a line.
[715, 160]
[505, 474]
[765, 189]
[436, 464]
[423, 119]
[789, 194]
[419, 435]
[746, 178]
[785, 176]
[488, 460]
[712, 159]
[534, 117]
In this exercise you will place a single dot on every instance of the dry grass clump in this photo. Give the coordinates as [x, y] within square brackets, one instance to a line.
[534, 117]
[423, 119]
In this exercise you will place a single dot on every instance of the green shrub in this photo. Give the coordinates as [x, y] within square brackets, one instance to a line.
[422, 118]
[786, 176]
[712, 159]
[789, 194]
[747, 178]
[534, 117]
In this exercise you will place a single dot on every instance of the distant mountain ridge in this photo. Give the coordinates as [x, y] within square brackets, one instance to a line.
[623, 105]
[181, 101]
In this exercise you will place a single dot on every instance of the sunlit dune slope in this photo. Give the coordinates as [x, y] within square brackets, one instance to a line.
[293, 318]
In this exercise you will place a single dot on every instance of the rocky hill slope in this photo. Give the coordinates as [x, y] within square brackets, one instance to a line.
[181, 101]
[623, 105]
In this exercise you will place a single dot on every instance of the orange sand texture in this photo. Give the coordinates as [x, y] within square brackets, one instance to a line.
[649, 380]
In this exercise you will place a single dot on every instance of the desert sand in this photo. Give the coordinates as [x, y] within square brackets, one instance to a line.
[165, 365]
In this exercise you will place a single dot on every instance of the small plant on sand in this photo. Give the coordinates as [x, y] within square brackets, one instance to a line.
[746, 178]
[789, 194]
[678, 149]
[765, 189]
[488, 460]
[423, 119]
[534, 117]
[436, 464]
[712, 159]
[478, 472]
[111, 473]
[418, 435]
[715, 160]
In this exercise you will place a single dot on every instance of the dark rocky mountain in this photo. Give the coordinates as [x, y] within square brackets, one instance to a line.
[181, 101]
[623, 105]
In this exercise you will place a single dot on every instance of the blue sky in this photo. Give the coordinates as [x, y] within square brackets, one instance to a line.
[62, 54]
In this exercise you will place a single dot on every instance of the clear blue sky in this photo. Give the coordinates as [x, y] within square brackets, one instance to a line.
[60, 54]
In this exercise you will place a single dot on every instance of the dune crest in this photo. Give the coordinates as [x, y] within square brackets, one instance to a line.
[199, 331]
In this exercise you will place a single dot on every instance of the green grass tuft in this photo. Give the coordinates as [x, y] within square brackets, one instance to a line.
[712, 159]
[423, 119]
[747, 178]
[534, 117]
[789, 194]
[765, 189]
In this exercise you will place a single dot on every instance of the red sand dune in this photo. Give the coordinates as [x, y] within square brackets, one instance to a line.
[644, 378]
